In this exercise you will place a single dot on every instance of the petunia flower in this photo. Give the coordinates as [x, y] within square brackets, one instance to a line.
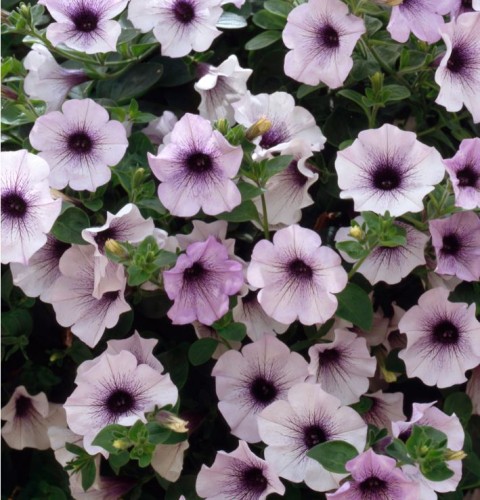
[342, 367]
[202, 230]
[456, 240]
[375, 476]
[167, 460]
[239, 474]
[443, 339]
[462, 6]
[249, 381]
[59, 436]
[79, 143]
[473, 390]
[206, 332]
[385, 408]
[157, 129]
[459, 71]
[179, 25]
[28, 210]
[84, 25]
[464, 172]
[116, 390]
[309, 417]
[387, 169]
[201, 282]
[322, 36]
[298, 277]
[220, 87]
[195, 169]
[423, 18]
[48, 81]
[287, 121]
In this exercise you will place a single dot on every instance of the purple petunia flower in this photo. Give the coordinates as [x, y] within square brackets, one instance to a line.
[28, 210]
[443, 339]
[297, 276]
[459, 72]
[196, 168]
[462, 6]
[457, 245]
[79, 143]
[464, 172]
[85, 25]
[388, 169]
[322, 35]
[201, 282]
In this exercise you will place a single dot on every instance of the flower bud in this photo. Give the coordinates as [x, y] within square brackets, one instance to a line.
[116, 248]
[454, 455]
[261, 126]
[356, 232]
[121, 444]
[172, 422]
[389, 3]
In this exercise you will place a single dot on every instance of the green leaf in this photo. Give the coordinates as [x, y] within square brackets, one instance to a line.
[355, 306]
[305, 90]
[157, 434]
[119, 460]
[397, 449]
[352, 248]
[439, 472]
[89, 472]
[263, 40]
[355, 97]
[333, 455]
[233, 331]
[69, 226]
[278, 7]
[246, 211]
[395, 93]
[248, 191]
[269, 21]
[363, 405]
[277, 164]
[459, 403]
[201, 351]
[108, 435]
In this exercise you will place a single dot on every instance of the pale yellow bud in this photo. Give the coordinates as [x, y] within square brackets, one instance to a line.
[120, 444]
[172, 422]
[114, 247]
[258, 128]
[356, 232]
[389, 3]
[455, 455]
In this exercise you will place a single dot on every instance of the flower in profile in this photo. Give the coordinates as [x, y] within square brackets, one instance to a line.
[287, 121]
[116, 390]
[38, 277]
[79, 143]
[48, 81]
[423, 18]
[464, 172]
[298, 276]
[202, 230]
[167, 460]
[385, 408]
[309, 417]
[387, 169]
[73, 300]
[342, 367]
[84, 25]
[459, 72]
[28, 210]
[249, 381]
[201, 282]
[443, 339]
[389, 264]
[457, 245]
[322, 36]
[195, 169]
[239, 474]
[220, 87]
[28, 418]
[157, 129]
[206, 332]
[179, 25]
[375, 476]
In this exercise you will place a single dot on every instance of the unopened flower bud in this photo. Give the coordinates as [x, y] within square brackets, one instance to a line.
[172, 422]
[222, 126]
[389, 3]
[120, 444]
[115, 248]
[258, 128]
[454, 455]
[138, 177]
[356, 232]
[55, 356]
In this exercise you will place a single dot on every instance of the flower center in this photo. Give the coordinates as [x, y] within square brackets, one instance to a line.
[457, 60]
[467, 4]
[373, 484]
[404, 435]
[299, 269]
[120, 402]
[184, 12]
[450, 244]
[59, 248]
[386, 178]
[445, 332]
[295, 175]
[328, 356]
[277, 134]
[467, 177]
[263, 390]
[194, 272]
[199, 163]
[254, 480]
[80, 143]
[328, 37]
[14, 205]
[85, 20]
[313, 435]
[22, 406]
[102, 237]
[250, 298]
[111, 296]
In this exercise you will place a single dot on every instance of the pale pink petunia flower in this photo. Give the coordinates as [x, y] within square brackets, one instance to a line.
[322, 35]
[249, 381]
[179, 25]
[202, 230]
[456, 240]
[342, 367]
[220, 87]
[373, 477]
[298, 276]
[84, 25]
[60, 435]
[309, 417]
[196, 169]
[443, 339]
[28, 418]
[387, 169]
[287, 121]
[473, 390]
[116, 390]
[201, 282]
[464, 172]
[239, 474]
[157, 129]
[167, 460]
[104, 487]
[462, 6]
[72, 295]
[28, 209]
[206, 332]
[47, 80]
[423, 18]
[459, 71]
[79, 143]
[385, 408]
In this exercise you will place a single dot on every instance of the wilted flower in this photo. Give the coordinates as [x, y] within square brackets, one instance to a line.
[322, 35]
[79, 143]
[28, 210]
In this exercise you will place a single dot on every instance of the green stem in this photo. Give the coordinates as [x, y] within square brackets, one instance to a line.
[266, 232]
[358, 264]
[372, 117]
[421, 226]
